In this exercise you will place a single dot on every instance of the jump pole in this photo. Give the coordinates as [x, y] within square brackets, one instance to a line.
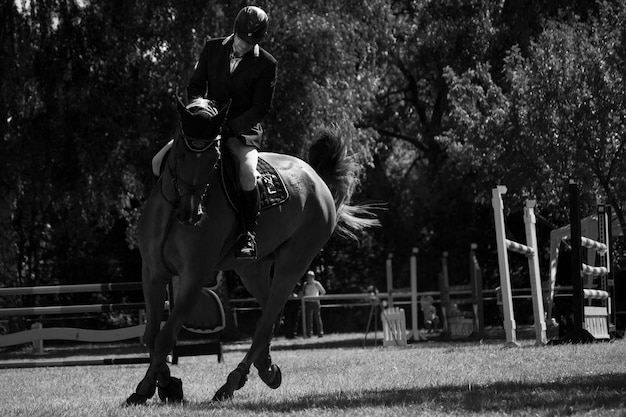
[415, 333]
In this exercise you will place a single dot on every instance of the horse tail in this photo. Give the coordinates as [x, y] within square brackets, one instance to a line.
[328, 155]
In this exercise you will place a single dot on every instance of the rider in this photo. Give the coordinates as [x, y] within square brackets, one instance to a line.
[237, 68]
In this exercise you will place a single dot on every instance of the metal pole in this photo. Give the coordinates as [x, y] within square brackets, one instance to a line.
[577, 288]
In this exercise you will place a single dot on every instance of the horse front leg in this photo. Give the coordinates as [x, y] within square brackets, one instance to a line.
[170, 388]
[154, 290]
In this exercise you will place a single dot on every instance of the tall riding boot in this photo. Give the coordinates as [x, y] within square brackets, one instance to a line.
[246, 242]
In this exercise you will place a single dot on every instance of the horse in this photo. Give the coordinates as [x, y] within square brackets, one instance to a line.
[188, 229]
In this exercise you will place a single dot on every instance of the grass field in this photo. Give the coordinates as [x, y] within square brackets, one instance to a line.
[336, 375]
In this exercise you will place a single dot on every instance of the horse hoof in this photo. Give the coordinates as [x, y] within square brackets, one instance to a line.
[173, 392]
[273, 377]
[136, 399]
[144, 391]
[223, 394]
[236, 380]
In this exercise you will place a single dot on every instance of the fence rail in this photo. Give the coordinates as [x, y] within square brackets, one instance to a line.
[38, 334]
[400, 298]
[68, 289]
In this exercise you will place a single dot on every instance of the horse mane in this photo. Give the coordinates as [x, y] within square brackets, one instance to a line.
[328, 155]
[199, 104]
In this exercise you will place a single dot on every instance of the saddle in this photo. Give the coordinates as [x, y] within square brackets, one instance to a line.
[271, 186]
[272, 189]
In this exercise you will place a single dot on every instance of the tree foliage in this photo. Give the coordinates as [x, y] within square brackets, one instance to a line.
[558, 114]
[439, 100]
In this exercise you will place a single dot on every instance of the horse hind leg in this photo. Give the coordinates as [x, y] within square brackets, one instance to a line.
[288, 269]
[256, 279]
[272, 294]
[269, 373]
[287, 272]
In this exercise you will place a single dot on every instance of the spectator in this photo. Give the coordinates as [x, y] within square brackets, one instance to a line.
[431, 318]
[312, 287]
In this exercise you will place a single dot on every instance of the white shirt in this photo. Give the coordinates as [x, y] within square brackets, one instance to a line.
[314, 288]
[234, 61]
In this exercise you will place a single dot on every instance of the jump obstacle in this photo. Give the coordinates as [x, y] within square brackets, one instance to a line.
[456, 323]
[590, 322]
[37, 334]
[394, 318]
[453, 327]
[530, 251]
[394, 327]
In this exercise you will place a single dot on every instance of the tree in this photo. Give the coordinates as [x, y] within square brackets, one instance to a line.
[560, 113]
[85, 90]
[430, 205]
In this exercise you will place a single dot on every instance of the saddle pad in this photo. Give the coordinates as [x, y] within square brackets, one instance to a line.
[272, 188]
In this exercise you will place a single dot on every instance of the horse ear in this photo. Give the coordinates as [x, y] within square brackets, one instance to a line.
[221, 115]
[182, 109]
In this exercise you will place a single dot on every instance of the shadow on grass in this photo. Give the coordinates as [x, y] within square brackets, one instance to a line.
[567, 395]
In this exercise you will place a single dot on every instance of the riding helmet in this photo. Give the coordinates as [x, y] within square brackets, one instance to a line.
[251, 24]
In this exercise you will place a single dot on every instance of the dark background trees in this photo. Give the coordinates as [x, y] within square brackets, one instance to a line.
[439, 100]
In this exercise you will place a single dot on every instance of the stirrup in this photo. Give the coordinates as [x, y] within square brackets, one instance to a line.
[246, 246]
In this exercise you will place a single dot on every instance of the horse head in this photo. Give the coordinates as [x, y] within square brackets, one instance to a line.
[195, 156]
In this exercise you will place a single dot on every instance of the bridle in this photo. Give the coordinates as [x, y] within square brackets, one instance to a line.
[182, 187]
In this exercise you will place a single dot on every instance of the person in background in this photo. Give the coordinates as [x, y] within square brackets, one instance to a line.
[291, 314]
[313, 287]
[431, 318]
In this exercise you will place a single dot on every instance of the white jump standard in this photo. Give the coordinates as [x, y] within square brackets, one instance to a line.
[530, 251]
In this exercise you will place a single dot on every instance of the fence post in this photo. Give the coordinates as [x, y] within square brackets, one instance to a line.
[389, 265]
[303, 316]
[444, 289]
[38, 343]
[476, 281]
[415, 332]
